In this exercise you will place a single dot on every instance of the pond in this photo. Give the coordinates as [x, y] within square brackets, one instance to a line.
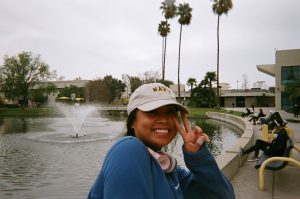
[39, 158]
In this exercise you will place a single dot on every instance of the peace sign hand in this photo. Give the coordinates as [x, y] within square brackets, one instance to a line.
[193, 138]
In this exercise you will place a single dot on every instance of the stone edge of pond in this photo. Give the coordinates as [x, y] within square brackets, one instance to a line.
[230, 161]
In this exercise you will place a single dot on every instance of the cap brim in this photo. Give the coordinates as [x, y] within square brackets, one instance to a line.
[159, 103]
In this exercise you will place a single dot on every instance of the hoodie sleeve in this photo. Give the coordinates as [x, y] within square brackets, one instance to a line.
[126, 172]
[204, 178]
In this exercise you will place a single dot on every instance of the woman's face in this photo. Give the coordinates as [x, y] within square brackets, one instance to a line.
[156, 128]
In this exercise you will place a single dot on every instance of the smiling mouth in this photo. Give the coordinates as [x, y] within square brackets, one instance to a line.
[164, 131]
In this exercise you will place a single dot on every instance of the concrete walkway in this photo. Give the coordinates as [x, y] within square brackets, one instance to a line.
[282, 184]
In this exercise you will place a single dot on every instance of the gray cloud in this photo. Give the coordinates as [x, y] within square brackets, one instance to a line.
[93, 38]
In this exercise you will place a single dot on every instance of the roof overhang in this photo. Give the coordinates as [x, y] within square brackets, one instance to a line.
[267, 69]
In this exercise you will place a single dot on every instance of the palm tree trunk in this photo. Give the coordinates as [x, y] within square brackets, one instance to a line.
[218, 62]
[162, 60]
[210, 91]
[179, 63]
[165, 49]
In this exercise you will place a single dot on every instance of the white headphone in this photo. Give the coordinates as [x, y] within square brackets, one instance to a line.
[166, 161]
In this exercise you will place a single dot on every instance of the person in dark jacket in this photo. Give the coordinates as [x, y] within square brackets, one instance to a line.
[259, 115]
[274, 148]
[248, 112]
[135, 167]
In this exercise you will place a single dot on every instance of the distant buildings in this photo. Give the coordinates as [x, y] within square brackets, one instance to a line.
[247, 97]
[60, 84]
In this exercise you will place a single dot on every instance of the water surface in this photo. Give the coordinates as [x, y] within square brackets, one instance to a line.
[40, 159]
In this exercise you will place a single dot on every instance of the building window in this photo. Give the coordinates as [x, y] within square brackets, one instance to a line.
[289, 74]
[285, 102]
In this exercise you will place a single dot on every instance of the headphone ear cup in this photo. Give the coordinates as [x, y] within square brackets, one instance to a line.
[173, 163]
[167, 162]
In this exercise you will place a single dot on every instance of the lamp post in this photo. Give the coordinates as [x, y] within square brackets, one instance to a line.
[237, 88]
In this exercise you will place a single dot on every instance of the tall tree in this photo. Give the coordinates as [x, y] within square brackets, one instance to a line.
[220, 7]
[191, 82]
[98, 91]
[126, 81]
[116, 87]
[203, 94]
[168, 8]
[166, 82]
[210, 77]
[40, 94]
[185, 16]
[150, 77]
[164, 30]
[245, 82]
[22, 72]
[135, 82]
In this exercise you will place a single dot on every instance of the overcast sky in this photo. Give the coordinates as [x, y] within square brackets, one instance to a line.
[95, 38]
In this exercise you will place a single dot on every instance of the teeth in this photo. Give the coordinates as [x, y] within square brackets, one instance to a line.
[161, 130]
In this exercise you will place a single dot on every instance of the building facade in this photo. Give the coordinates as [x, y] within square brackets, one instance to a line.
[285, 70]
[247, 98]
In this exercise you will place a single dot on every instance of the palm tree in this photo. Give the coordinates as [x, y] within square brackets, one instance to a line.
[185, 16]
[164, 30]
[168, 8]
[210, 77]
[191, 82]
[220, 7]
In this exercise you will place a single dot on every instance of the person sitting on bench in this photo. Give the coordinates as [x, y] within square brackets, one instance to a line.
[274, 148]
[248, 112]
[259, 115]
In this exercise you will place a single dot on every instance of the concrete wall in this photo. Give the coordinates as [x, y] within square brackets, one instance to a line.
[230, 161]
[229, 100]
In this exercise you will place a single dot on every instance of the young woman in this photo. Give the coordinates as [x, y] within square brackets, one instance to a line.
[134, 167]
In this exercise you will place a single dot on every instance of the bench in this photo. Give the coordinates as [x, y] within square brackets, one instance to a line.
[275, 163]
[278, 164]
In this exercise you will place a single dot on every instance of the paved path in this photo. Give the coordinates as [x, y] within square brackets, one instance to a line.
[283, 184]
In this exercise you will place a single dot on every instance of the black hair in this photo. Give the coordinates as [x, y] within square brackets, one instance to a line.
[130, 119]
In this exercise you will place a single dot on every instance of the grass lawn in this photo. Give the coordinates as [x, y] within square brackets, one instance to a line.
[201, 112]
[30, 112]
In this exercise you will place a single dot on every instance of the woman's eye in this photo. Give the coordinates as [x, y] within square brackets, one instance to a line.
[172, 112]
[152, 112]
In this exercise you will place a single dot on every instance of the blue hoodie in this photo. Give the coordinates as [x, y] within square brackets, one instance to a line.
[130, 172]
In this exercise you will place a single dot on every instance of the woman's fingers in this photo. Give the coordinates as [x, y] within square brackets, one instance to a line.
[186, 122]
[206, 138]
[190, 135]
[200, 140]
[193, 137]
[197, 130]
[179, 127]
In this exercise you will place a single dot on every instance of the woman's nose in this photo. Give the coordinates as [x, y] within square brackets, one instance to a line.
[163, 119]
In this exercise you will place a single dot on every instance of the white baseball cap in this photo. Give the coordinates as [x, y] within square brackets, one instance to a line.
[152, 96]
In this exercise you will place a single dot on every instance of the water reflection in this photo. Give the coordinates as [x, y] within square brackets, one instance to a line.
[32, 168]
[15, 125]
[222, 135]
